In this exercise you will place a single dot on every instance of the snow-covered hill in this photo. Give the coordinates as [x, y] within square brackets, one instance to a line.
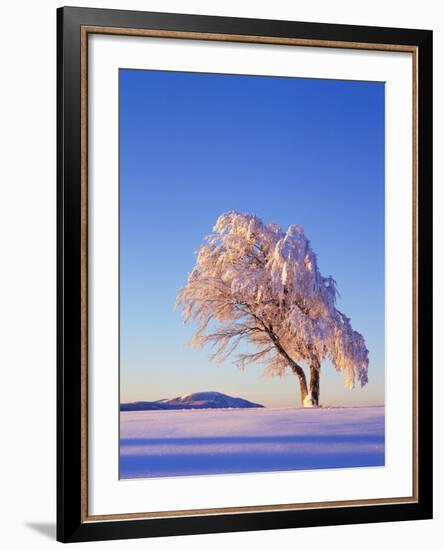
[182, 443]
[199, 400]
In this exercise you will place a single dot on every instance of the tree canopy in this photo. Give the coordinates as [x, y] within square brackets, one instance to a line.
[254, 282]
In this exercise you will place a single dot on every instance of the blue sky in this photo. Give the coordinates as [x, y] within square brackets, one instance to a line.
[292, 151]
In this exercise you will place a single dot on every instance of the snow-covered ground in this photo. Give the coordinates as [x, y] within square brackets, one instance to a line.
[193, 442]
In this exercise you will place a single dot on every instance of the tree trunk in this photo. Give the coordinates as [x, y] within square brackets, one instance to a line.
[305, 396]
[302, 381]
[315, 375]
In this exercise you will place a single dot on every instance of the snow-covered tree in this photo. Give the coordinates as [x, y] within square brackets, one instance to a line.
[254, 282]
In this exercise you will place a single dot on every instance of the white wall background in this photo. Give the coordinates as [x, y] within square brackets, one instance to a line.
[27, 277]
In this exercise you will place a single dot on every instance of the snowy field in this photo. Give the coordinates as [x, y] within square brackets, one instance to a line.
[193, 442]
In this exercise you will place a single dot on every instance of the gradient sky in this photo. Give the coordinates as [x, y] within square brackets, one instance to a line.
[292, 151]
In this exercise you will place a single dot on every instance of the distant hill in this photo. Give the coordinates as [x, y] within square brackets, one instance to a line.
[199, 400]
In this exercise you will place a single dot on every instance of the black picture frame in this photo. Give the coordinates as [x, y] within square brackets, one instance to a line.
[71, 523]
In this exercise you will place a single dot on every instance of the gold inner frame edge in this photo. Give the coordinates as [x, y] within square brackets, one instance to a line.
[84, 33]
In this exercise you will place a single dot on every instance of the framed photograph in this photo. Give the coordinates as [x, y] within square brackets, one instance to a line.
[244, 274]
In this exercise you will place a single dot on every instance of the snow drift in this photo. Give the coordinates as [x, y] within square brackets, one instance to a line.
[227, 441]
